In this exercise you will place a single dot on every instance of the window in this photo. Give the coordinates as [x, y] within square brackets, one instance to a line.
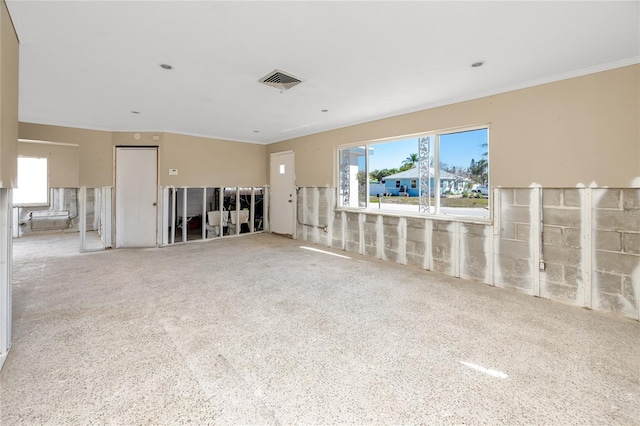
[353, 182]
[444, 172]
[33, 184]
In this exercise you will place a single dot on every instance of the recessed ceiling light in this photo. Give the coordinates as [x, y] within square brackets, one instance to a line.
[135, 112]
[324, 110]
[477, 64]
[166, 66]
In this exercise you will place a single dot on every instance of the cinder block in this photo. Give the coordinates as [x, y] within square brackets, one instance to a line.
[442, 266]
[572, 197]
[508, 230]
[516, 214]
[440, 252]
[391, 254]
[552, 235]
[370, 218]
[415, 260]
[474, 257]
[391, 243]
[442, 226]
[631, 243]
[523, 232]
[506, 196]
[353, 227]
[352, 217]
[563, 255]
[562, 217]
[617, 220]
[573, 237]
[551, 197]
[370, 238]
[415, 234]
[414, 223]
[628, 291]
[606, 198]
[475, 272]
[516, 281]
[631, 199]
[410, 247]
[523, 267]
[390, 231]
[553, 273]
[522, 196]
[607, 240]
[369, 227]
[611, 302]
[441, 238]
[559, 291]
[616, 263]
[354, 247]
[370, 250]
[510, 248]
[353, 236]
[516, 268]
[572, 275]
[472, 244]
[390, 221]
[472, 229]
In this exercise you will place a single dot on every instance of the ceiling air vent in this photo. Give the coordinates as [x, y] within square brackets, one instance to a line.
[280, 80]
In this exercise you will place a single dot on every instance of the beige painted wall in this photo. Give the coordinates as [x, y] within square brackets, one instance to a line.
[562, 134]
[62, 162]
[8, 100]
[200, 161]
[211, 162]
[95, 151]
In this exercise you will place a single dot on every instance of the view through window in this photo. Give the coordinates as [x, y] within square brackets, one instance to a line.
[33, 186]
[438, 173]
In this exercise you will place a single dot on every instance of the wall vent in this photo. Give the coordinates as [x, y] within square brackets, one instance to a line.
[280, 80]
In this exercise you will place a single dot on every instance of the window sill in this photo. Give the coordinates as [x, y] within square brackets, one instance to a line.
[439, 217]
[27, 205]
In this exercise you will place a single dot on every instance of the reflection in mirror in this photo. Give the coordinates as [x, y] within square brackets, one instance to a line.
[192, 219]
[258, 210]
[216, 219]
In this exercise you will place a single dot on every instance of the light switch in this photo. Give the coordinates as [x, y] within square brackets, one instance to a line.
[173, 172]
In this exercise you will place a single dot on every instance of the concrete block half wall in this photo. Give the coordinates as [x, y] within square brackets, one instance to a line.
[575, 245]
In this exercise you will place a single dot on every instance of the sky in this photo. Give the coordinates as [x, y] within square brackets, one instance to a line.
[456, 149]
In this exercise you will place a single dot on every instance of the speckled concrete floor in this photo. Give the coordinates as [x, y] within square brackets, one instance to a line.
[256, 330]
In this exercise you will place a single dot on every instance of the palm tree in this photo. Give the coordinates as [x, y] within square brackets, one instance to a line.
[411, 160]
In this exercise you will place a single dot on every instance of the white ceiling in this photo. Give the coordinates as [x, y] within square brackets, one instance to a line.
[89, 64]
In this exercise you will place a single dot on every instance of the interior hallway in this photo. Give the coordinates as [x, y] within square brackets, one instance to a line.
[259, 330]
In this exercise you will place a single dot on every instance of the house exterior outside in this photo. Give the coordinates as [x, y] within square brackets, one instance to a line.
[408, 182]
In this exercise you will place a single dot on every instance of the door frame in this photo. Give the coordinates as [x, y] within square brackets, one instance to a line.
[114, 208]
[294, 233]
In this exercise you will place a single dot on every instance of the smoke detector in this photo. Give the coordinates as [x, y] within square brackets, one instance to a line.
[280, 80]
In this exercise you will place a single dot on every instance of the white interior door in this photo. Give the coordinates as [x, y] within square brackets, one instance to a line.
[281, 200]
[136, 196]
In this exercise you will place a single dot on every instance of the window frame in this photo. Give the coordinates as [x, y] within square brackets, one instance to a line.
[370, 207]
[32, 204]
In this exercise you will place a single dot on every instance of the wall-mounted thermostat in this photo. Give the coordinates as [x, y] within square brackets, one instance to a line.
[173, 172]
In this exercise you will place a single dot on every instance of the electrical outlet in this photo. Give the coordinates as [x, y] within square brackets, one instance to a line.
[543, 265]
[173, 172]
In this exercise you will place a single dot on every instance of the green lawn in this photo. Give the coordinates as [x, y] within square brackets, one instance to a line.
[444, 202]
